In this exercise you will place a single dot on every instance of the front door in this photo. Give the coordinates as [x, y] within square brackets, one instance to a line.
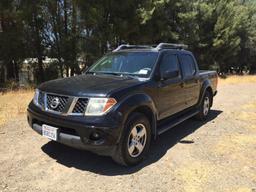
[170, 91]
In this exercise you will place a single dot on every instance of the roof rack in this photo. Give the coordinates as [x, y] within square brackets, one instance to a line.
[171, 46]
[159, 46]
[126, 46]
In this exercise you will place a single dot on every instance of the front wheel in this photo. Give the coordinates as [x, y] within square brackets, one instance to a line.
[135, 141]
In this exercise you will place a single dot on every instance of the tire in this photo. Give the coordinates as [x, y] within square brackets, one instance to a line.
[137, 135]
[205, 106]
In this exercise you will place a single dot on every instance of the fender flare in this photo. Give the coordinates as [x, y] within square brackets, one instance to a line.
[136, 101]
[206, 84]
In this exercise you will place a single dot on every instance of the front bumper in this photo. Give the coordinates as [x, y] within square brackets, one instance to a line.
[76, 131]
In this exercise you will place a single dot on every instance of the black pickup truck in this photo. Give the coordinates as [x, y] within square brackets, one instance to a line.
[124, 100]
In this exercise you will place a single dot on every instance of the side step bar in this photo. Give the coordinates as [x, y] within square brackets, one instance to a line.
[173, 122]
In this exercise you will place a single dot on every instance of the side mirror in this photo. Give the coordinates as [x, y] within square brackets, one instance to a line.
[170, 74]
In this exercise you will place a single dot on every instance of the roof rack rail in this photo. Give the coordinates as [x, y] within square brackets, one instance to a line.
[159, 46]
[127, 46]
[171, 46]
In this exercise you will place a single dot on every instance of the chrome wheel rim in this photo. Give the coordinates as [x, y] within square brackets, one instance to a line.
[206, 105]
[137, 140]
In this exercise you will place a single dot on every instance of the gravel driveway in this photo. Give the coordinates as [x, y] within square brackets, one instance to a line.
[216, 155]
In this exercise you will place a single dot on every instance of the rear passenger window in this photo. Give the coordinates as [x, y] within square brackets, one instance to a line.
[169, 63]
[188, 65]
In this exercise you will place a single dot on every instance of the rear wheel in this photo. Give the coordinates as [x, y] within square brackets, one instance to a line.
[205, 106]
[135, 141]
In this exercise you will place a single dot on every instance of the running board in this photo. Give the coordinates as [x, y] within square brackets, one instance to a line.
[173, 122]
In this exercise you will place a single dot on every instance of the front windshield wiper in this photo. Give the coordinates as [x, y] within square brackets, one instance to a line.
[107, 73]
[131, 75]
[88, 72]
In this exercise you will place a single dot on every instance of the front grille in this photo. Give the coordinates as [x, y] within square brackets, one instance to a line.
[56, 103]
[62, 104]
[80, 105]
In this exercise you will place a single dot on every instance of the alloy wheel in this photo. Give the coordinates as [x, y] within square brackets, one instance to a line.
[137, 140]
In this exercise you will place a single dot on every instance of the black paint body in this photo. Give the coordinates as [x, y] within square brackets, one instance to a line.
[158, 99]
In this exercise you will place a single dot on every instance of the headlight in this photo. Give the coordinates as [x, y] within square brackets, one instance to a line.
[99, 106]
[35, 99]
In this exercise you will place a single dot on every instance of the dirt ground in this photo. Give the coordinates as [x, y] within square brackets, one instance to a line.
[216, 155]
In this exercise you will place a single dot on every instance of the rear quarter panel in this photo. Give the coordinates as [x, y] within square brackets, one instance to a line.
[211, 76]
[208, 79]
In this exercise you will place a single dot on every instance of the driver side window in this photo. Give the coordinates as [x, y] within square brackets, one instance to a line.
[169, 63]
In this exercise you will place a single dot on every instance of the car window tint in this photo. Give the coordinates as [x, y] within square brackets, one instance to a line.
[169, 62]
[188, 65]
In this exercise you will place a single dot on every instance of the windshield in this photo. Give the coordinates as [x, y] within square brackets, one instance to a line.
[126, 63]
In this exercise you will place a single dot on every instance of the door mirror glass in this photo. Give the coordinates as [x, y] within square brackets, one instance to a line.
[170, 75]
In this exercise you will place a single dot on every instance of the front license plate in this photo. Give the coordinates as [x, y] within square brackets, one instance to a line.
[49, 132]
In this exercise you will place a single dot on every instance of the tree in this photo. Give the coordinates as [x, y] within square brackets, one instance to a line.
[35, 29]
[11, 39]
[221, 33]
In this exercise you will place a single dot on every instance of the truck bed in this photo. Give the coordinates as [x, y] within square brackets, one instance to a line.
[211, 75]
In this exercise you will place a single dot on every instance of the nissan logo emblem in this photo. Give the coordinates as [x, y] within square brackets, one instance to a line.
[55, 103]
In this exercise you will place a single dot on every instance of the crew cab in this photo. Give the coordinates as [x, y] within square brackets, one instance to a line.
[124, 100]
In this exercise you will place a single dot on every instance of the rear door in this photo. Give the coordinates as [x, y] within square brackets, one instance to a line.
[170, 91]
[191, 80]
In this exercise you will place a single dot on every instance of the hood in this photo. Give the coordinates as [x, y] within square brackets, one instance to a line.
[89, 85]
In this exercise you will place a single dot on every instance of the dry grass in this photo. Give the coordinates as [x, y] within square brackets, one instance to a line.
[195, 176]
[234, 79]
[250, 106]
[234, 144]
[247, 116]
[248, 112]
[14, 104]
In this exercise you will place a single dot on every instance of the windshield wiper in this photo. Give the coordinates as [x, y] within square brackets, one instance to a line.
[115, 74]
[110, 73]
[130, 75]
[89, 72]
[107, 73]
